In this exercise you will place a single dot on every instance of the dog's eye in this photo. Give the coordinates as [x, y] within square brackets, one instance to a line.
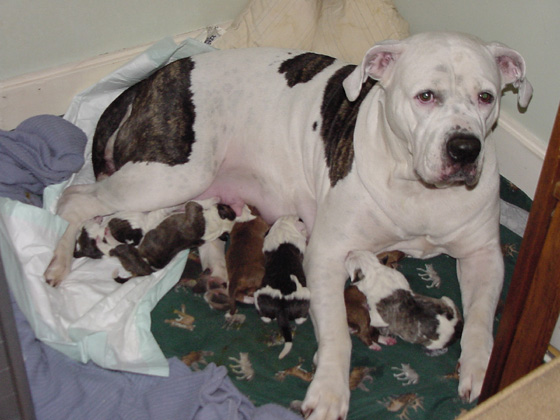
[426, 96]
[485, 97]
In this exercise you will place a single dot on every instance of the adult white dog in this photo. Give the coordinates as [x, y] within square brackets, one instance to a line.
[390, 154]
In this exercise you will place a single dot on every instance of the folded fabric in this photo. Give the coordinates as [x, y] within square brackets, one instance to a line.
[42, 150]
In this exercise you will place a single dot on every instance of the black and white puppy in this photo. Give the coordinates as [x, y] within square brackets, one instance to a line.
[284, 295]
[147, 241]
[395, 309]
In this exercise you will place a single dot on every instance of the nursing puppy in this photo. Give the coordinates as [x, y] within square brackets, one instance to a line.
[395, 309]
[245, 260]
[359, 321]
[284, 295]
[357, 308]
[146, 242]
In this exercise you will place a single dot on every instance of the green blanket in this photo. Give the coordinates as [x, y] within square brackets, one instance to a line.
[399, 382]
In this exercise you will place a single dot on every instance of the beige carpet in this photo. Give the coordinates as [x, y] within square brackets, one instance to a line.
[536, 396]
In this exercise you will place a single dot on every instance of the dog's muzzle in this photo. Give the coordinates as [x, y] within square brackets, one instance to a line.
[461, 161]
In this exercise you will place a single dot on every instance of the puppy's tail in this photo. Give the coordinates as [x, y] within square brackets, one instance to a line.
[286, 331]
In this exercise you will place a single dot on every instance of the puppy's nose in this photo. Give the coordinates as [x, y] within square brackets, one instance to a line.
[463, 148]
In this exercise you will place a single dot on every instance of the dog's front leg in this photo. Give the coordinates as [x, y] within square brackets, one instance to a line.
[328, 394]
[481, 279]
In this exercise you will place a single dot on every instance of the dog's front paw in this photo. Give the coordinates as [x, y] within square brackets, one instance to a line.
[326, 399]
[471, 378]
[57, 270]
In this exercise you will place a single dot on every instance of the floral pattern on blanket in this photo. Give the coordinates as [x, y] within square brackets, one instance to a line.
[398, 382]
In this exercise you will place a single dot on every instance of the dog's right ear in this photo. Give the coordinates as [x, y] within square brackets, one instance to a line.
[377, 64]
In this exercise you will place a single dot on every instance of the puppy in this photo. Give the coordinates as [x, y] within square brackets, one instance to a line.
[284, 295]
[395, 309]
[146, 242]
[245, 260]
[359, 321]
[357, 309]
[100, 235]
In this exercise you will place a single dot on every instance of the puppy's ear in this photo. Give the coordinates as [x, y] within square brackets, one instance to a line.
[378, 64]
[512, 69]
[358, 275]
[226, 212]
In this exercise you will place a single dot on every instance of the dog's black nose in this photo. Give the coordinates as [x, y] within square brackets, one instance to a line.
[463, 148]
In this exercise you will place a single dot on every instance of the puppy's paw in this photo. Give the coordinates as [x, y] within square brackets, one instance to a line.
[387, 340]
[57, 270]
[375, 346]
[471, 377]
[327, 399]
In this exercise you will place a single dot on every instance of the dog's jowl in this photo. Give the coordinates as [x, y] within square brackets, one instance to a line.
[403, 163]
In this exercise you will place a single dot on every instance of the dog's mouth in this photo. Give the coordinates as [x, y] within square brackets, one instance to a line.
[454, 173]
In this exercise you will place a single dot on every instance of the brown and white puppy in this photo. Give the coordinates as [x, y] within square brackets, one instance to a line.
[245, 260]
[146, 242]
[357, 309]
[395, 309]
[359, 321]
[284, 295]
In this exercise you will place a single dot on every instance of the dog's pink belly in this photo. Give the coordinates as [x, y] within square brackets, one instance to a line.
[236, 189]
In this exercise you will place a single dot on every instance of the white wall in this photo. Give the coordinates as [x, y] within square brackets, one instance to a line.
[532, 28]
[40, 34]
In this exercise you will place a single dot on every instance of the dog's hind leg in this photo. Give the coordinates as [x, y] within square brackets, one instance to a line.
[76, 205]
[135, 187]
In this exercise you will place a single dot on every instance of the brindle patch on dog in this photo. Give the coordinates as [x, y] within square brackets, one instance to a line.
[339, 120]
[122, 231]
[304, 67]
[161, 108]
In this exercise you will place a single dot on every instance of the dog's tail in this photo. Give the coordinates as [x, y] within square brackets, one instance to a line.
[286, 330]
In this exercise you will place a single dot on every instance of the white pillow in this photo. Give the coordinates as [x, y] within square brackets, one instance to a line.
[345, 29]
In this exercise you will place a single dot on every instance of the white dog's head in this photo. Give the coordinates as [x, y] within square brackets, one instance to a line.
[442, 94]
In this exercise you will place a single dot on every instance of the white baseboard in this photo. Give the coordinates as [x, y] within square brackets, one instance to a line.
[520, 153]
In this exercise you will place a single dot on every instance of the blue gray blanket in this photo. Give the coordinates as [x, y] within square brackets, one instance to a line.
[62, 389]
[41, 151]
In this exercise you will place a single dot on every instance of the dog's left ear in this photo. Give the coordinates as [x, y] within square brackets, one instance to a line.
[512, 68]
[377, 64]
